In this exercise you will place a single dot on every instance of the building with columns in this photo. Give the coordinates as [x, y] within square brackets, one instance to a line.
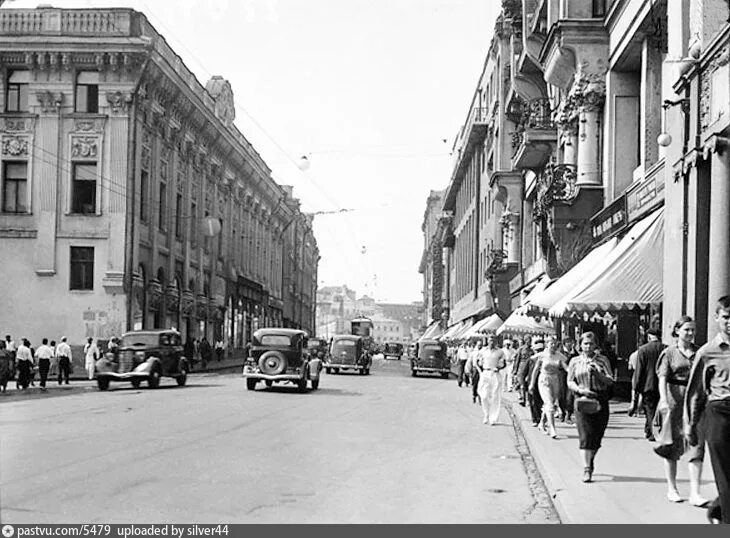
[603, 142]
[129, 197]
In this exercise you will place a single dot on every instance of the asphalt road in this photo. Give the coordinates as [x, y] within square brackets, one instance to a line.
[384, 448]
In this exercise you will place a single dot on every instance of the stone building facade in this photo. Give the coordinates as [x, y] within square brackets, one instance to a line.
[609, 121]
[129, 197]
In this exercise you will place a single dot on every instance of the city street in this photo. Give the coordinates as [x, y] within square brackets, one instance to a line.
[386, 448]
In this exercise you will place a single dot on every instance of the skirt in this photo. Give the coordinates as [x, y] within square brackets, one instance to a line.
[592, 427]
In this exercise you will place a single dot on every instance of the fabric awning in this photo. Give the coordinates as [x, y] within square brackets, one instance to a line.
[467, 325]
[433, 331]
[518, 323]
[451, 331]
[543, 301]
[630, 276]
[538, 288]
[487, 325]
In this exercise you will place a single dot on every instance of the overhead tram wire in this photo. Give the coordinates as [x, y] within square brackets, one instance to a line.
[351, 229]
[136, 198]
[107, 186]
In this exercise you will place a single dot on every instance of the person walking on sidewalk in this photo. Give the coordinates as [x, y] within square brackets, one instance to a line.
[644, 381]
[590, 376]
[673, 369]
[708, 399]
[461, 357]
[91, 355]
[471, 366]
[490, 362]
[532, 376]
[550, 364]
[509, 355]
[63, 352]
[43, 355]
[6, 367]
[24, 364]
[206, 352]
[521, 366]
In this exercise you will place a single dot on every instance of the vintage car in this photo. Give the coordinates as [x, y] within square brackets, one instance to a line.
[431, 358]
[317, 345]
[348, 352]
[393, 349]
[146, 355]
[278, 356]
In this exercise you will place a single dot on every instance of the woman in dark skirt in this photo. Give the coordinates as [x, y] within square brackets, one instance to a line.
[590, 375]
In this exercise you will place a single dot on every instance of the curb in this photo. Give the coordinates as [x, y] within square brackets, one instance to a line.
[531, 461]
[553, 485]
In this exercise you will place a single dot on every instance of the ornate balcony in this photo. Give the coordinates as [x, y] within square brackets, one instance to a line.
[535, 135]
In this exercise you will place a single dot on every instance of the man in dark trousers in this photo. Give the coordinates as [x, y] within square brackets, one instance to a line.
[645, 381]
[521, 367]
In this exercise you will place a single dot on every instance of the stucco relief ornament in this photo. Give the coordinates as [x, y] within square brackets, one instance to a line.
[84, 125]
[50, 101]
[15, 146]
[118, 101]
[84, 148]
[14, 125]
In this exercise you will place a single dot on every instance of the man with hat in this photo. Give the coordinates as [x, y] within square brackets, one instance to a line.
[645, 382]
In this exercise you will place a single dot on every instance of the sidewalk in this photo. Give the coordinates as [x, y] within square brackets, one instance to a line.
[628, 483]
[79, 380]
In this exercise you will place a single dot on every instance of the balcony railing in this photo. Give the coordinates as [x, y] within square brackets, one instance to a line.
[71, 22]
[535, 124]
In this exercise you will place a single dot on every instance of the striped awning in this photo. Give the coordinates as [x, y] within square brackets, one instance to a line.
[545, 299]
[630, 277]
[451, 331]
[433, 331]
[518, 323]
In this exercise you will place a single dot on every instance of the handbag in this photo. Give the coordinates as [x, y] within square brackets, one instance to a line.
[587, 405]
[661, 429]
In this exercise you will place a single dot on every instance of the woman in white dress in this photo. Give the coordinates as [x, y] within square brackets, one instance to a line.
[549, 365]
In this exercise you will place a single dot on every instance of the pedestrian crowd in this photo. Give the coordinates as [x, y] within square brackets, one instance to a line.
[682, 390]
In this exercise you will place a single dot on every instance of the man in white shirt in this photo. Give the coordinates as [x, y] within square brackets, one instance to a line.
[509, 354]
[43, 355]
[24, 363]
[63, 354]
[461, 357]
[91, 355]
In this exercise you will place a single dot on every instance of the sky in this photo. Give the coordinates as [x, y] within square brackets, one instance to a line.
[373, 92]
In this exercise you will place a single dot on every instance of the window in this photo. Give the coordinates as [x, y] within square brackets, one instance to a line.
[87, 92]
[144, 182]
[83, 195]
[17, 92]
[163, 206]
[599, 8]
[193, 229]
[178, 216]
[15, 181]
[82, 268]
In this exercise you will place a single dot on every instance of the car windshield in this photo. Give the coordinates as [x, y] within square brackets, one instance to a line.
[344, 343]
[140, 340]
[314, 343]
[275, 340]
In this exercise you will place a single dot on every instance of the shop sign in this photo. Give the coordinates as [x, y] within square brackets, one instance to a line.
[610, 220]
[646, 195]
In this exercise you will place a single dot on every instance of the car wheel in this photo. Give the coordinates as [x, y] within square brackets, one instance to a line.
[302, 385]
[272, 363]
[269, 383]
[315, 384]
[102, 383]
[251, 383]
[328, 370]
[182, 377]
[136, 383]
[153, 381]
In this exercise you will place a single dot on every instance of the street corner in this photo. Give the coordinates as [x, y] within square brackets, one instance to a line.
[34, 393]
